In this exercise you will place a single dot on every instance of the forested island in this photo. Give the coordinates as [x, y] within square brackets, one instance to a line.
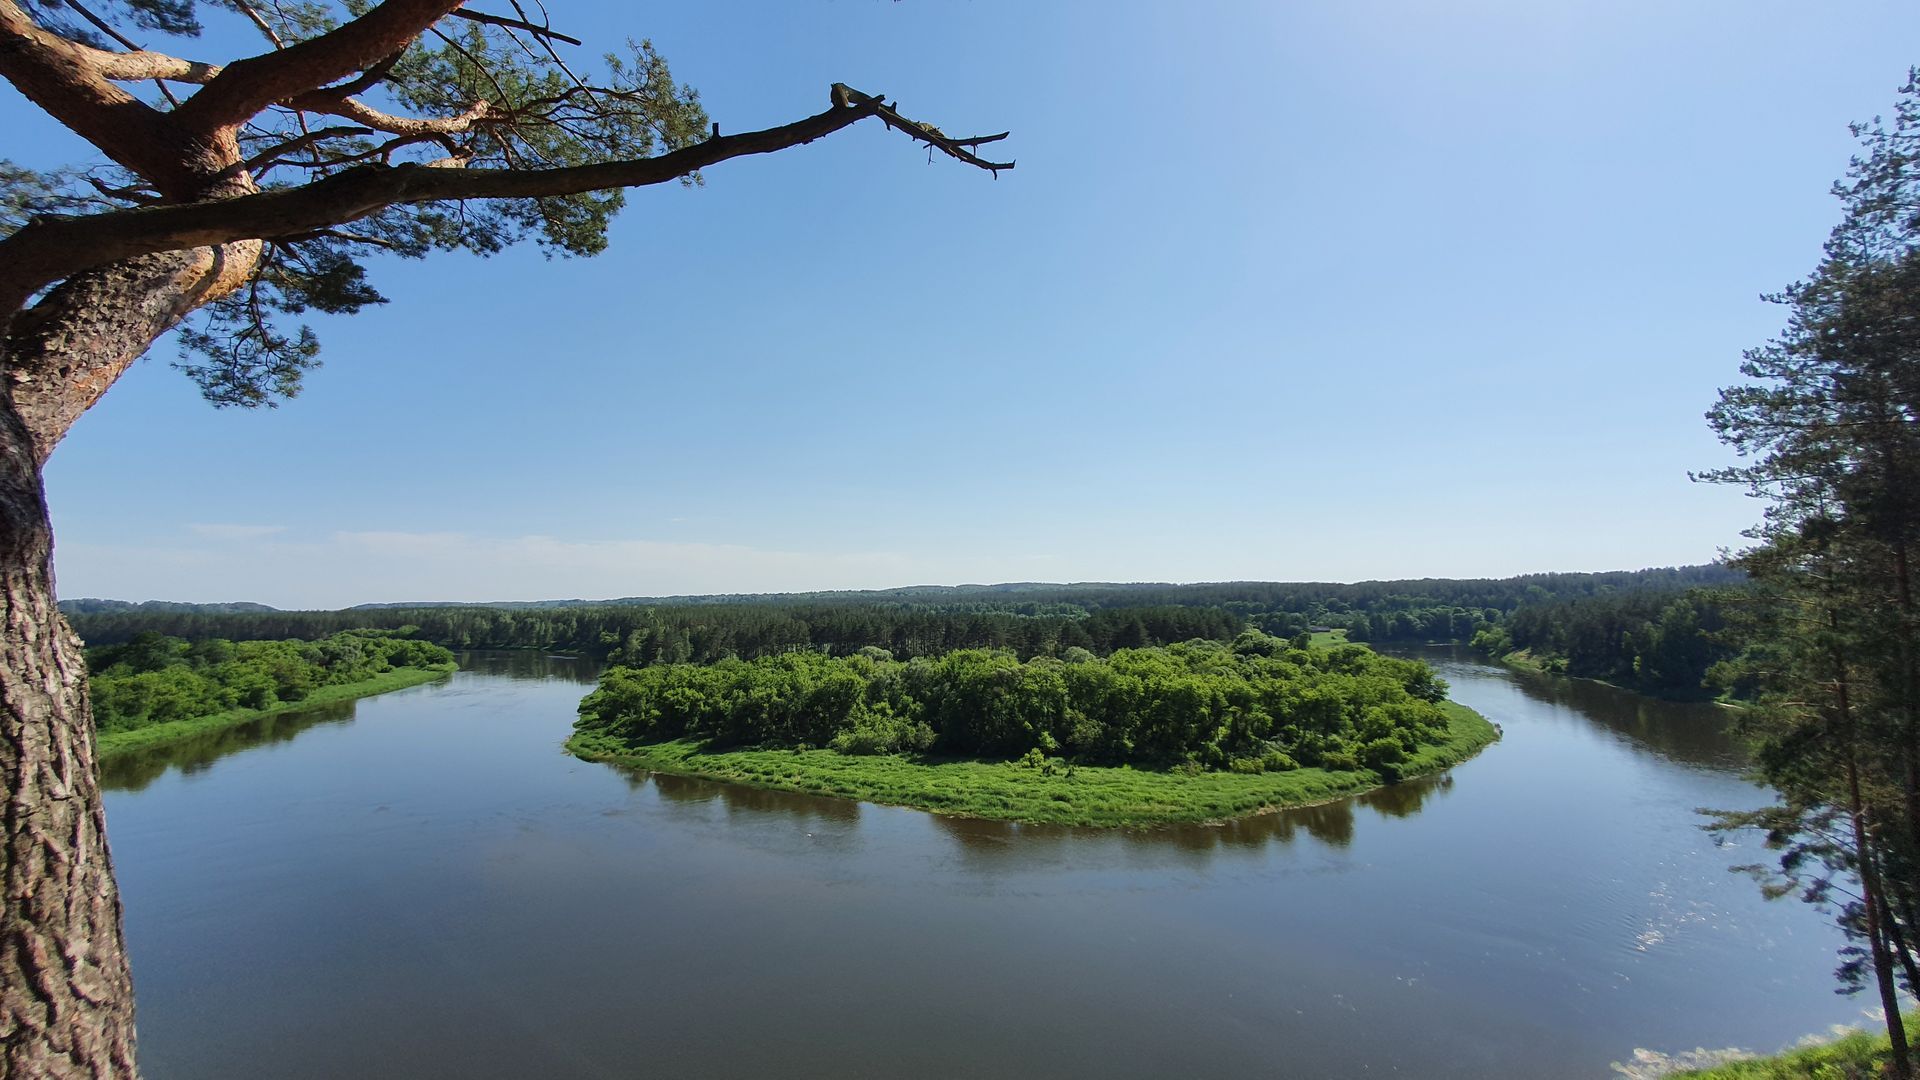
[156, 689]
[1196, 731]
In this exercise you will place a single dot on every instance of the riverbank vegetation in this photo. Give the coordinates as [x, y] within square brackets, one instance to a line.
[1664, 644]
[156, 689]
[1196, 731]
[1046, 790]
[1860, 1055]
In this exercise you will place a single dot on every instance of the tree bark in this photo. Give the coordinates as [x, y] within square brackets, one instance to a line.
[1872, 897]
[64, 352]
[66, 997]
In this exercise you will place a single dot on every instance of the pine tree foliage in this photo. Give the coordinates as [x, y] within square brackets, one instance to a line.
[480, 95]
[1829, 424]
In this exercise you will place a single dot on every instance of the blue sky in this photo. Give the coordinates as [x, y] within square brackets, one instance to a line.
[1277, 291]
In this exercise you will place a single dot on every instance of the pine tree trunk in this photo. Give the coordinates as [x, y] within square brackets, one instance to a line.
[1872, 896]
[1910, 692]
[1902, 947]
[1878, 946]
[66, 997]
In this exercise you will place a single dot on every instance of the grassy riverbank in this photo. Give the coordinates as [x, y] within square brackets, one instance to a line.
[1525, 660]
[1085, 795]
[112, 743]
[1859, 1056]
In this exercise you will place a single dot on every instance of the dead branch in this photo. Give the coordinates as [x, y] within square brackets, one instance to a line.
[260, 23]
[132, 193]
[516, 24]
[337, 234]
[927, 133]
[384, 152]
[266, 158]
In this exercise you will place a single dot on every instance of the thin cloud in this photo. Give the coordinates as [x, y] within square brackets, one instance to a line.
[352, 567]
[212, 531]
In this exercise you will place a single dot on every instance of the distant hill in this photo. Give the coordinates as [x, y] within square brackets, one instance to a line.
[1095, 594]
[1014, 595]
[92, 606]
[901, 593]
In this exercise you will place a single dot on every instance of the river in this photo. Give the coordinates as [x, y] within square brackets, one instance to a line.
[424, 885]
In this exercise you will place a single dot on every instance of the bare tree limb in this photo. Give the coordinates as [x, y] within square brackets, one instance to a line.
[134, 193]
[260, 23]
[385, 151]
[979, 140]
[336, 234]
[927, 133]
[516, 24]
[547, 46]
[360, 113]
[505, 99]
[271, 154]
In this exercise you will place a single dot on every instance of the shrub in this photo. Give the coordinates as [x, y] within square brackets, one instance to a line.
[1276, 761]
[881, 732]
[1341, 760]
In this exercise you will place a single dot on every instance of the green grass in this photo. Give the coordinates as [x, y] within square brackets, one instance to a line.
[1858, 1056]
[1524, 660]
[1327, 639]
[111, 743]
[1093, 795]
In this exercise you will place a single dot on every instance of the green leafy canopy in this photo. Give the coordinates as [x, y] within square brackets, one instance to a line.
[540, 110]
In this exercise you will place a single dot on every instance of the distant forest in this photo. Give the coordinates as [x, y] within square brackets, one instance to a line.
[154, 679]
[1653, 630]
[1668, 644]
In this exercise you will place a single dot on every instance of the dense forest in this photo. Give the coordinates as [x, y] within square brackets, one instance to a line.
[1243, 597]
[643, 635]
[1661, 643]
[156, 679]
[1259, 704]
[1027, 619]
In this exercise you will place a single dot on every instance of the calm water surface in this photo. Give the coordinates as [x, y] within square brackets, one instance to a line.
[422, 884]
